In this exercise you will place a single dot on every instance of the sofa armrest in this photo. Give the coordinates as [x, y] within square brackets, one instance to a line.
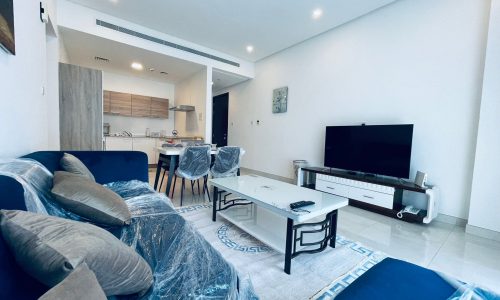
[106, 166]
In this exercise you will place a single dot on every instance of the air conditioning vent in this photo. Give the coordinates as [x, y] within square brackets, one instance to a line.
[101, 59]
[165, 43]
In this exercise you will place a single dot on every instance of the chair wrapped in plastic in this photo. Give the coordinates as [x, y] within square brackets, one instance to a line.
[194, 163]
[227, 162]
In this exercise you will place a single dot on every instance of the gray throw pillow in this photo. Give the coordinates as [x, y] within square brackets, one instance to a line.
[90, 200]
[81, 284]
[50, 248]
[70, 163]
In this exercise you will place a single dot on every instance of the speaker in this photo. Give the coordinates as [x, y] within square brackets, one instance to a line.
[420, 178]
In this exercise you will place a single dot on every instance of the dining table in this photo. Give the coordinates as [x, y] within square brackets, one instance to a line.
[170, 156]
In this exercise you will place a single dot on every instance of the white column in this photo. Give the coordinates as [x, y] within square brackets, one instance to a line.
[208, 107]
[484, 209]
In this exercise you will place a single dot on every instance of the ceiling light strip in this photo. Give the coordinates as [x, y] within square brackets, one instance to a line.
[163, 42]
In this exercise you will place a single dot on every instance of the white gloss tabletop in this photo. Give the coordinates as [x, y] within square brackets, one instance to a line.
[176, 150]
[277, 195]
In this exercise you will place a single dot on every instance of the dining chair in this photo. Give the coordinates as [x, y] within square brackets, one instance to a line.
[194, 164]
[227, 162]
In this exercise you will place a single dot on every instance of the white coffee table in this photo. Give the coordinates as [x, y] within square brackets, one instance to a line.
[272, 221]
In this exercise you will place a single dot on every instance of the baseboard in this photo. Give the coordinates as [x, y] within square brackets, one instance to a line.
[482, 232]
[268, 175]
[451, 220]
[440, 218]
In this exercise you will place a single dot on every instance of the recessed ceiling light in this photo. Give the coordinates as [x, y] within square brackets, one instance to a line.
[249, 48]
[137, 66]
[114, 1]
[163, 73]
[151, 69]
[317, 13]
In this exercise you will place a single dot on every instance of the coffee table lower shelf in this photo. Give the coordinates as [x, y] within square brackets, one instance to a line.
[271, 229]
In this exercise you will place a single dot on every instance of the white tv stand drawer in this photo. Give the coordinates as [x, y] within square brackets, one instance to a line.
[332, 188]
[371, 197]
[371, 193]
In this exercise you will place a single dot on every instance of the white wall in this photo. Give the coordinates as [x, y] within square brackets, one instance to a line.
[24, 110]
[139, 86]
[414, 62]
[485, 196]
[192, 91]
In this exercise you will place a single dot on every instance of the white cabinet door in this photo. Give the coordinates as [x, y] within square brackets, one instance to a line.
[146, 145]
[118, 143]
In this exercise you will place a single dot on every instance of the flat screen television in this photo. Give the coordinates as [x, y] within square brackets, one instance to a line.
[373, 149]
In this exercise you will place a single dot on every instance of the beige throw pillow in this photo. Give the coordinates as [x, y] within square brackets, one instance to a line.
[72, 164]
[90, 200]
[81, 284]
[50, 248]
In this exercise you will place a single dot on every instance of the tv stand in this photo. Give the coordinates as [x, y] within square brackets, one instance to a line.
[367, 191]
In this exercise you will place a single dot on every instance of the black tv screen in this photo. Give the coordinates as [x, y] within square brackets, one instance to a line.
[374, 149]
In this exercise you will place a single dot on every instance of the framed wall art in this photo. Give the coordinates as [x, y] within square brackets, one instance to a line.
[7, 37]
[280, 100]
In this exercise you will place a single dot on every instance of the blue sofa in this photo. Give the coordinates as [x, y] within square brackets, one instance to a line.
[217, 277]
[109, 166]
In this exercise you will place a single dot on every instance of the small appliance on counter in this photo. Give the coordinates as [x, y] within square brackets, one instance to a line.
[175, 132]
[155, 134]
[148, 132]
[106, 128]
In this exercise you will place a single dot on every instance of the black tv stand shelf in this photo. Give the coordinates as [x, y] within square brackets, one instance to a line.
[378, 194]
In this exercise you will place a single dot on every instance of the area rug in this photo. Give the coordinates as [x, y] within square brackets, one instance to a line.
[314, 276]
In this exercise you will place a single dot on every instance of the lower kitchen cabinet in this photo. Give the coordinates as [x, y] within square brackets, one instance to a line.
[146, 145]
[118, 143]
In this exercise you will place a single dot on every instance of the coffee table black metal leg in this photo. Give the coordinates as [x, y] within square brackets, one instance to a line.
[288, 249]
[215, 198]
[333, 228]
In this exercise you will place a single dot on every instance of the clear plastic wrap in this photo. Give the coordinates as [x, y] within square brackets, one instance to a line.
[227, 162]
[467, 291]
[184, 264]
[194, 162]
[35, 179]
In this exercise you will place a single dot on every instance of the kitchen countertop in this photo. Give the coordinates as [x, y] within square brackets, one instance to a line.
[160, 137]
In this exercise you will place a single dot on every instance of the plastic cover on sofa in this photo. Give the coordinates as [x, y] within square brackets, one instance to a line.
[184, 264]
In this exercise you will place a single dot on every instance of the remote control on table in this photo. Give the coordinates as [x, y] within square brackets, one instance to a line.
[300, 204]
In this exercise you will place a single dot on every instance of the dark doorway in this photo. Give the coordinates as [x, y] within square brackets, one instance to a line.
[220, 105]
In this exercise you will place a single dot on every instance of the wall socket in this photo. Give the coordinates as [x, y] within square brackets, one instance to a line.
[200, 116]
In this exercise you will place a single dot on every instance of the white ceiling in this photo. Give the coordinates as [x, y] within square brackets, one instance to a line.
[229, 26]
[222, 80]
[82, 48]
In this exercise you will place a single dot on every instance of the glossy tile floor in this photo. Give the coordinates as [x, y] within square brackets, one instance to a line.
[439, 246]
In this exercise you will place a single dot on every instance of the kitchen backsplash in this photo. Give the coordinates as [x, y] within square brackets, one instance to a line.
[138, 126]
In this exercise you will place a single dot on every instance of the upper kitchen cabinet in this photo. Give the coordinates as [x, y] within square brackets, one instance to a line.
[121, 103]
[106, 102]
[141, 106]
[159, 108]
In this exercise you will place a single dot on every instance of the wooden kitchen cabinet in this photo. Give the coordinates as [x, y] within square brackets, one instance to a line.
[159, 108]
[106, 102]
[118, 143]
[146, 145]
[121, 103]
[141, 106]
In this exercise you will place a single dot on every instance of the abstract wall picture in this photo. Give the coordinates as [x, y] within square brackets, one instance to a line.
[280, 100]
[7, 38]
